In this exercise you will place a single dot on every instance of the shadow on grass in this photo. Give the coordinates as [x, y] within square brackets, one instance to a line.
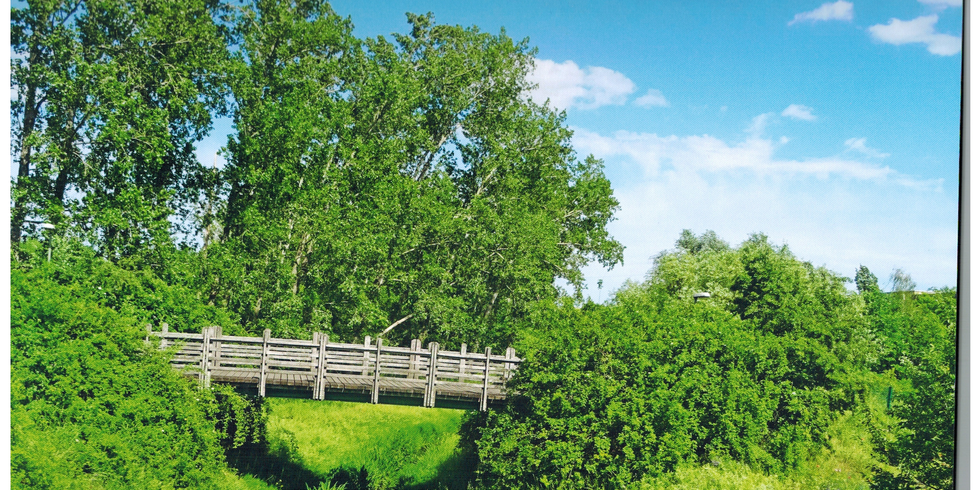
[278, 467]
[390, 462]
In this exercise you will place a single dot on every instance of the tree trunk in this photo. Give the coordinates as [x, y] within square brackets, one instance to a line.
[19, 214]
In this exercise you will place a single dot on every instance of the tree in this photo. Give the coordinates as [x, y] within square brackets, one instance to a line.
[708, 241]
[902, 281]
[111, 96]
[408, 184]
[866, 281]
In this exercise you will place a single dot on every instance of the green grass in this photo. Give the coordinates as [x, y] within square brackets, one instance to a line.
[847, 463]
[369, 446]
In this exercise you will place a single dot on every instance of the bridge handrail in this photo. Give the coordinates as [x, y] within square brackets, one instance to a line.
[320, 357]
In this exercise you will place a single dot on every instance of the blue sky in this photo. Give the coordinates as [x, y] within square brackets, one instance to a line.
[831, 127]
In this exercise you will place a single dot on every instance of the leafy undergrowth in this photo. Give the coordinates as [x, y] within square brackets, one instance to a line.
[332, 444]
[846, 463]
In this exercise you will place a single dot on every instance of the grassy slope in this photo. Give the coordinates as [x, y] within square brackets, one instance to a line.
[386, 446]
[377, 446]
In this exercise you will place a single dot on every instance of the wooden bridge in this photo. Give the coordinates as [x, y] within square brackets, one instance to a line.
[326, 368]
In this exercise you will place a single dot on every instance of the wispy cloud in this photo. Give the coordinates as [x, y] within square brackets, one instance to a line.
[858, 145]
[839, 10]
[755, 155]
[918, 30]
[566, 85]
[758, 125]
[942, 4]
[798, 111]
[652, 98]
[826, 208]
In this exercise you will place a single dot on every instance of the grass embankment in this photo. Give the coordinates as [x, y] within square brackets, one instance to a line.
[332, 444]
[316, 444]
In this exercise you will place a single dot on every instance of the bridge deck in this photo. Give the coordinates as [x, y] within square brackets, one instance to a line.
[322, 367]
[357, 384]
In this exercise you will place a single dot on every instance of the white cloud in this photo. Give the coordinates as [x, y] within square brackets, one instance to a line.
[798, 111]
[857, 144]
[839, 10]
[918, 30]
[567, 85]
[652, 98]
[942, 4]
[758, 125]
[754, 155]
[835, 211]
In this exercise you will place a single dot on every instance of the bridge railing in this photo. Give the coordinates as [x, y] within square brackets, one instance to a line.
[320, 364]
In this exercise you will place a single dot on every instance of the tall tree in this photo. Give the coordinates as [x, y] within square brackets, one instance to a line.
[409, 185]
[111, 96]
[866, 281]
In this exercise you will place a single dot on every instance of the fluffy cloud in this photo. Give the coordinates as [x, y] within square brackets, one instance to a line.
[755, 156]
[566, 85]
[835, 211]
[798, 111]
[652, 98]
[857, 144]
[918, 30]
[839, 10]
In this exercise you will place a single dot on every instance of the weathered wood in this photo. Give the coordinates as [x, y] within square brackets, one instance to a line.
[462, 363]
[264, 369]
[322, 366]
[486, 383]
[430, 387]
[366, 357]
[413, 360]
[205, 354]
[164, 329]
[321, 369]
[377, 373]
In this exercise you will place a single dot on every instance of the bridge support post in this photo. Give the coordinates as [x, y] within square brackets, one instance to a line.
[318, 388]
[377, 373]
[509, 367]
[264, 364]
[462, 363]
[165, 328]
[486, 383]
[413, 360]
[367, 357]
[205, 355]
[216, 339]
[430, 385]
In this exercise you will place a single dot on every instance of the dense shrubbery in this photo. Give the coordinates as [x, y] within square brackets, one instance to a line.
[92, 406]
[758, 374]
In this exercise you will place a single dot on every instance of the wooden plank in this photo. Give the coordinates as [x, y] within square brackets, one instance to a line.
[366, 356]
[377, 373]
[205, 346]
[320, 369]
[486, 381]
[430, 400]
[264, 366]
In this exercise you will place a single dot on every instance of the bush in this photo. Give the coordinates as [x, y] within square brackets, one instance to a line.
[94, 406]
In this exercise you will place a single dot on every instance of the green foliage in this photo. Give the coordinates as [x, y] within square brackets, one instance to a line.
[111, 94]
[373, 181]
[866, 281]
[708, 241]
[756, 374]
[924, 449]
[92, 405]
